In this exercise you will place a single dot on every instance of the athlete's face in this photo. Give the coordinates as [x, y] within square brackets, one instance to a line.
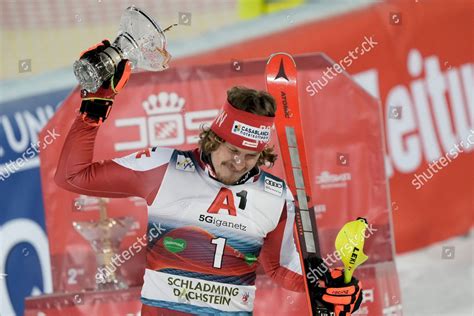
[230, 162]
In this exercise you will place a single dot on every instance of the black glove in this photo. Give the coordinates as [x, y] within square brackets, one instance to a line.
[338, 296]
[97, 105]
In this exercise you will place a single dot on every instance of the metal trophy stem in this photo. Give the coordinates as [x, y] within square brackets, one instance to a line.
[105, 236]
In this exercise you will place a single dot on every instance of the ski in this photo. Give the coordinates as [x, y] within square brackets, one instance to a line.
[281, 83]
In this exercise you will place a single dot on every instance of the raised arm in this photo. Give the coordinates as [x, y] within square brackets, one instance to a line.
[138, 174]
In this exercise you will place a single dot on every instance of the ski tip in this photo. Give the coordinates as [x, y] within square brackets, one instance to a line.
[279, 55]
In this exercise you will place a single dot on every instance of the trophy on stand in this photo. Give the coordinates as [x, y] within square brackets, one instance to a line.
[140, 40]
[105, 236]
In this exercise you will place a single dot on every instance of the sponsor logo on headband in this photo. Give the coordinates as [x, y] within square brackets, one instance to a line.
[221, 118]
[261, 134]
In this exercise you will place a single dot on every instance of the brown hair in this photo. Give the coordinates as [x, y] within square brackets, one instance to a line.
[252, 101]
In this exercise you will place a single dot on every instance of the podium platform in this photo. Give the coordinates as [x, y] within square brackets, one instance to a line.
[114, 302]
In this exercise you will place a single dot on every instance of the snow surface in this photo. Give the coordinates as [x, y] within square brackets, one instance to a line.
[433, 285]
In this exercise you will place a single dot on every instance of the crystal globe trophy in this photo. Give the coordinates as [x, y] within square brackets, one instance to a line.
[140, 40]
[105, 237]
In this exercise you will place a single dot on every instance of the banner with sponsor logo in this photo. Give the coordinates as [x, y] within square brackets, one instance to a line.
[168, 110]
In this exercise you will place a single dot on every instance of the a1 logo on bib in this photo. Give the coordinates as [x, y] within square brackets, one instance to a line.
[274, 187]
[184, 163]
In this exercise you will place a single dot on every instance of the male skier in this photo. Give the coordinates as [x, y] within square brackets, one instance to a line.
[221, 214]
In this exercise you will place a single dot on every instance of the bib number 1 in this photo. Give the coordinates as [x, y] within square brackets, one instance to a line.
[219, 253]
